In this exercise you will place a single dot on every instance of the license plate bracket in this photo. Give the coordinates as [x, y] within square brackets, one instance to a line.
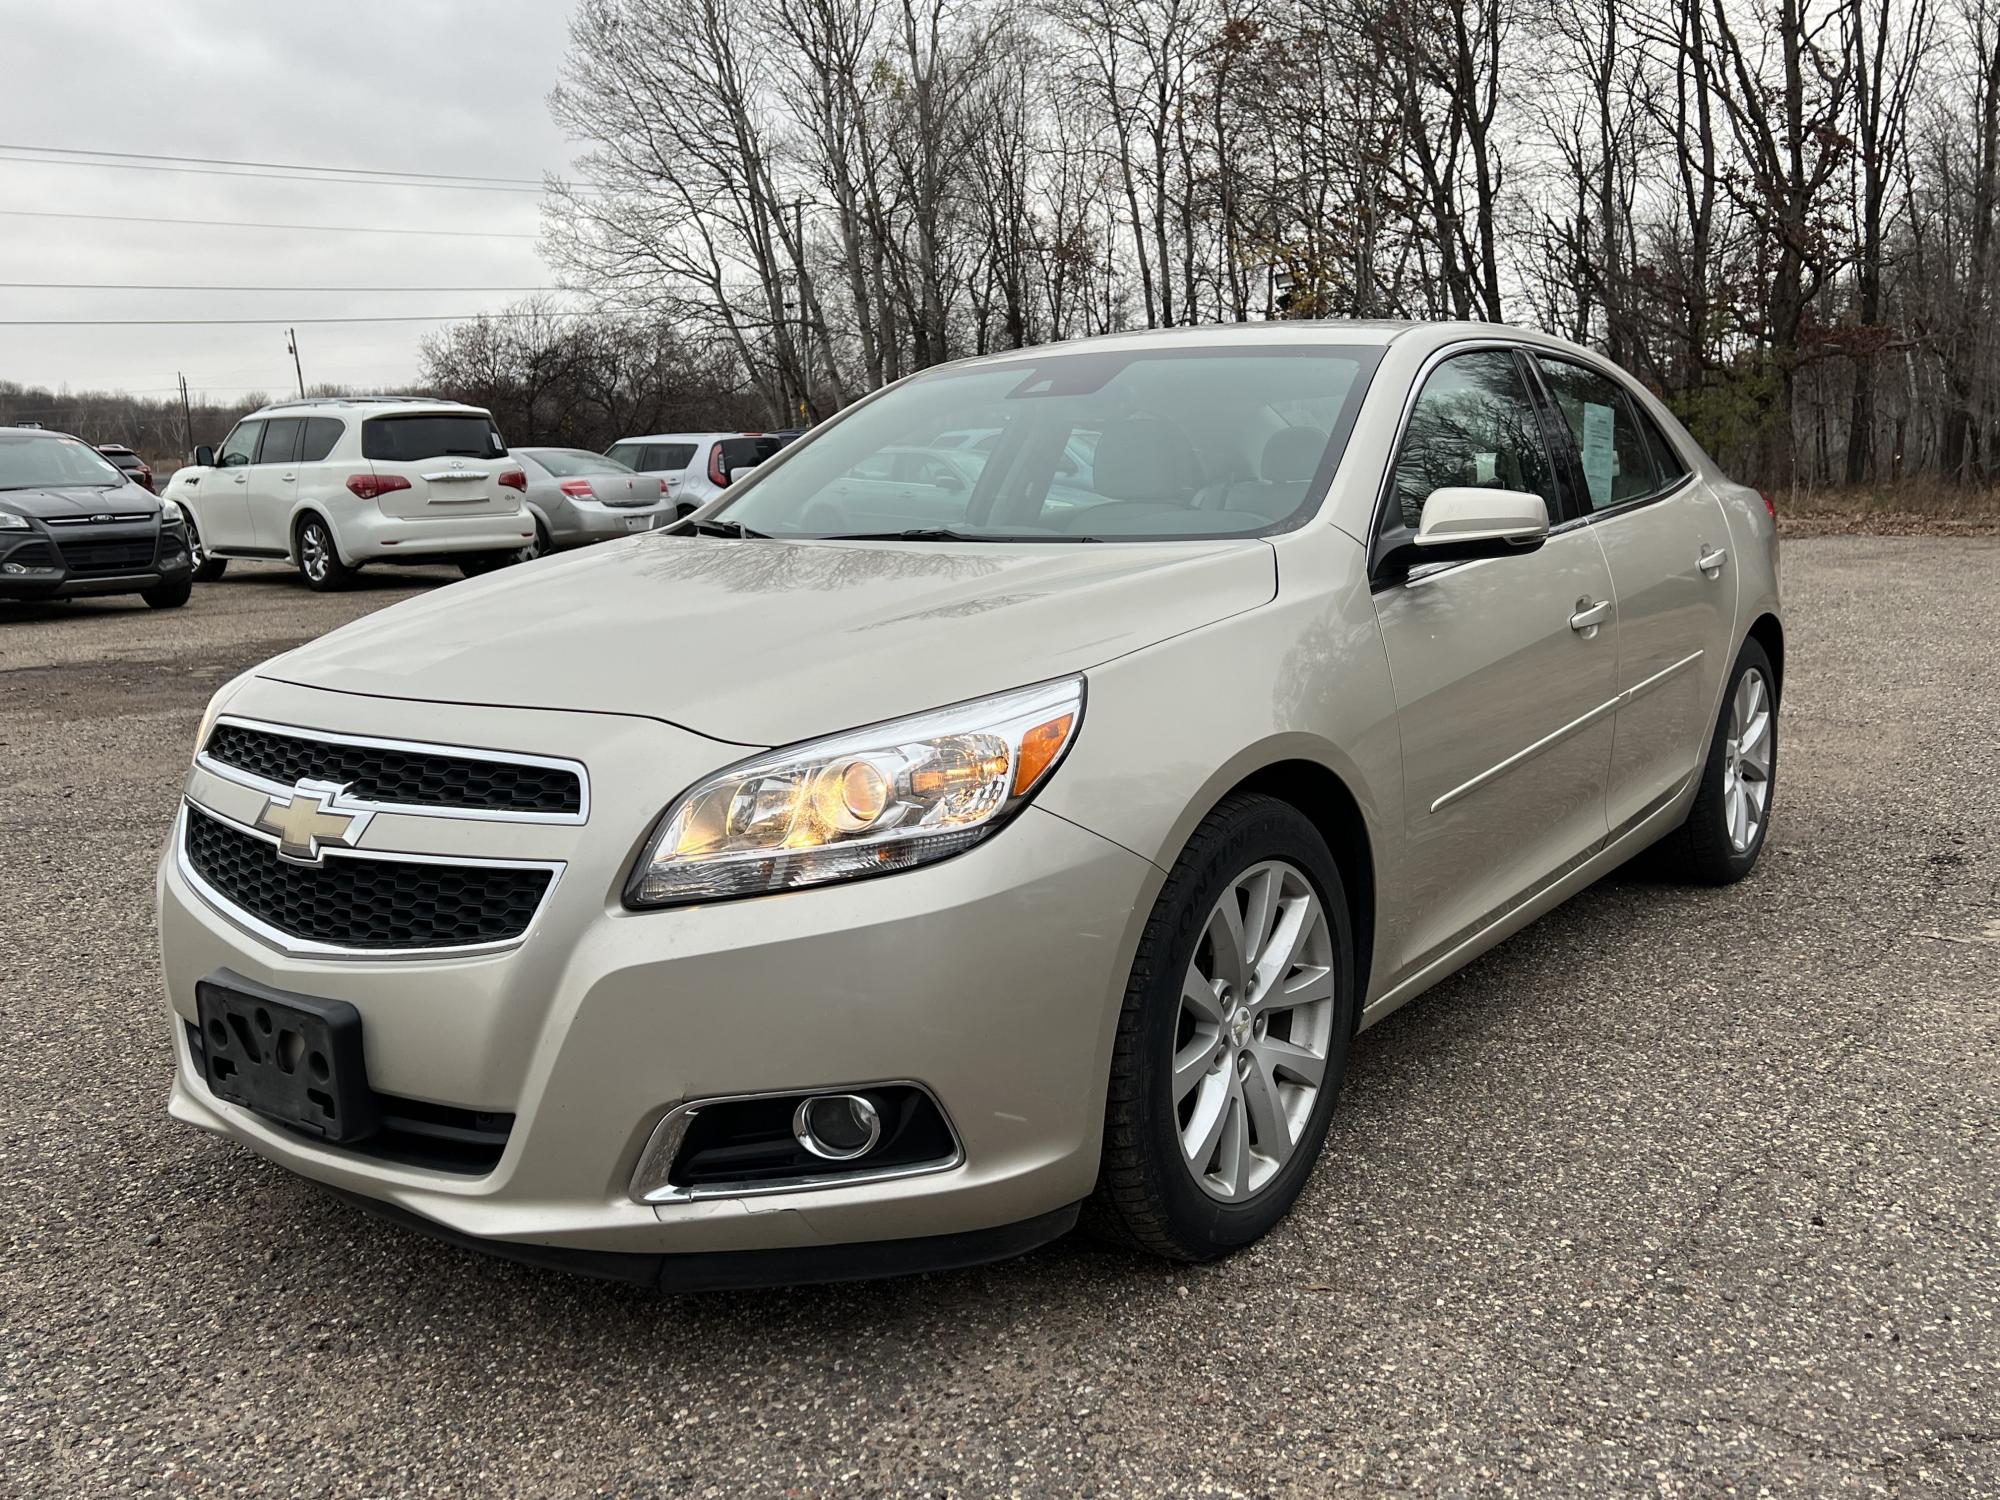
[291, 1058]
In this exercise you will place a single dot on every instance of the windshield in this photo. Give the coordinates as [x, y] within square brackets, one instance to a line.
[568, 463]
[1077, 446]
[413, 439]
[39, 463]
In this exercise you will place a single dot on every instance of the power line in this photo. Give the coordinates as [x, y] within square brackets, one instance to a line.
[464, 317]
[282, 166]
[171, 286]
[142, 166]
[464, 234]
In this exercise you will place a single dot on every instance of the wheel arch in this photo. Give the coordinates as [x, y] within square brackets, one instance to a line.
[1768, 632]
[307, 510]
[1324, 799]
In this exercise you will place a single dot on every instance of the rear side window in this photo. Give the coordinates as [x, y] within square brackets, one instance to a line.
[1666, 461]
[281, 441]
[653, 458]
[1617, 465]
[320, 436]
[413, 439]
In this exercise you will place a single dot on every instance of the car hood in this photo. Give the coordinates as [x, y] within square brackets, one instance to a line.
[765, 642]
[83, 500]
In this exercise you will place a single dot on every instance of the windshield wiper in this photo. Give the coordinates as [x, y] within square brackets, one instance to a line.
[913, 534]
[726, 528]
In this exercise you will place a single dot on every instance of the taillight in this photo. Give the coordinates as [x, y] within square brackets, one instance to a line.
[374, 486]
[717, 475]
[515, 479]
[578, 489]
[663, 486]
[1770, 503]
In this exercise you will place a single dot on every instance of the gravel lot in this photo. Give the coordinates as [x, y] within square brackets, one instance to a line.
[1677, 1193]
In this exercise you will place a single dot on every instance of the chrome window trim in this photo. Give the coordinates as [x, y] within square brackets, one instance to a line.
[313, 948]
[656, 1159]
[416, 747]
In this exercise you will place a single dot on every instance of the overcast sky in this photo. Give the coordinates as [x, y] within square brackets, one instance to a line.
[440, 86]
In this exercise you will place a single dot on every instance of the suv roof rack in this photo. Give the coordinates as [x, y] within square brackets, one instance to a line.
[362, 401]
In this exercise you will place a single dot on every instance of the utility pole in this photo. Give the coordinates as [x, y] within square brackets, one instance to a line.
[187, 418]
[292, 348]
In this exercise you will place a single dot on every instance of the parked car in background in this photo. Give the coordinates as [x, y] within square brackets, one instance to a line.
[332, 483]
[697, 466]
[984, 859]
[579, 497]
[72, 523]
[136, 468]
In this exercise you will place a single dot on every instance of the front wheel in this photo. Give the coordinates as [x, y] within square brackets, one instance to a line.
[168, 595]
[207, 568]
[319, 558]
[1233, 1037]
[1724, 832]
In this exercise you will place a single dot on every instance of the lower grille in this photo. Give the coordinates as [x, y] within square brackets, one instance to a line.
[362, 903]
[417, 1133]
[107, 555]
[33, 555]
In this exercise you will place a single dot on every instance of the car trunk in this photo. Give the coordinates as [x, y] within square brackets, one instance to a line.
[451, 463]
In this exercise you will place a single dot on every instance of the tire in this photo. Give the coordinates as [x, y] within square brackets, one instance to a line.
[319, 558]
[1149, 1194]
[169, 595]
[1710, 847]
[539, 547]
[479, 564]
[206, 569]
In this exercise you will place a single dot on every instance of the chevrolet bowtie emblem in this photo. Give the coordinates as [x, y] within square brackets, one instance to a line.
[307, 821]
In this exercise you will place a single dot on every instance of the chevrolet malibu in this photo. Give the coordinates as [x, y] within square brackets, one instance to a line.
[988, 852]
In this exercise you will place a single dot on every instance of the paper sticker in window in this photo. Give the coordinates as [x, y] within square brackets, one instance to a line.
[1600, 462]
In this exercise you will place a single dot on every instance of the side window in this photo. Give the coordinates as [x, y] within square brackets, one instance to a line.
[1617, 465]
[281, 441]
[241, 446]
[1473, 424]
[320, 435]
[1667, 463]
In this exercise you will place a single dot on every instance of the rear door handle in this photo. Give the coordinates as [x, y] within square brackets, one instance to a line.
[242, 478]
[1590, 615]
[289, 476]
[1711, 562]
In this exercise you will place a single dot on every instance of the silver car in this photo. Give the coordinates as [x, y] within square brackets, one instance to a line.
[579, 497]
[1016, 846]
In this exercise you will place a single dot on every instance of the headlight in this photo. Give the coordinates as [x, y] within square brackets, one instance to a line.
[171, 512]
[11, 522]
[216, 704]
[862, 803]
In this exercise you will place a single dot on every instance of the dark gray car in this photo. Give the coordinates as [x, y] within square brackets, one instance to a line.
[72, 523]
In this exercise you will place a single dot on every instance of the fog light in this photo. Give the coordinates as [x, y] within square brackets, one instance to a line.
[837, 1127]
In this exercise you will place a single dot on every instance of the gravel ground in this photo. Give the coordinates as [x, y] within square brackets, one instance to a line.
[1677, 1193]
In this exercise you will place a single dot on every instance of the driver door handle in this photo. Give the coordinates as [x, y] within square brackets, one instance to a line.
[1711, 562]
[242, 478]
[1589, 615]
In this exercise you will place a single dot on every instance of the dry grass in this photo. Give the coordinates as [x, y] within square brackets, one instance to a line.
[1916, 507]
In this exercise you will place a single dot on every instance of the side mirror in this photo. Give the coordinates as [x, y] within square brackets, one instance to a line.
[1494, 522]
[204, 457]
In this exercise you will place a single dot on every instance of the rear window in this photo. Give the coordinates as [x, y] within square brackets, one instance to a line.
[741, 453]
[130, 461]
[568, 463]
[653, 458]
[413, 439]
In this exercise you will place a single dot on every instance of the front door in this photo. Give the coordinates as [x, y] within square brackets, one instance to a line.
[223, 511]
[1665, 539]
[1505, 706]
[274, 482]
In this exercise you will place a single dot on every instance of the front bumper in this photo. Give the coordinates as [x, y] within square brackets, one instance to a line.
[35, 565]
[993, 979]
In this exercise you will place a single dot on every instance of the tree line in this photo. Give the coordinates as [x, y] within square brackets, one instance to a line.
[1779, 214]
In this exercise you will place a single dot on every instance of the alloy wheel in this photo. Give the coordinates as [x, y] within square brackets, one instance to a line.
[314, 546]
[1746, 760]
[1252, 1037]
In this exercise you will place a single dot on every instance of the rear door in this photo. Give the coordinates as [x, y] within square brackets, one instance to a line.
[273, 481]
[1665, 540]
[450, 461]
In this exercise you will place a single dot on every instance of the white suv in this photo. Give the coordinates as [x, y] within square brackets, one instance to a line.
[332, 483]
[697, 466]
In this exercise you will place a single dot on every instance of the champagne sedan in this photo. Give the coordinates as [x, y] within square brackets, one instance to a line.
[1020, 842]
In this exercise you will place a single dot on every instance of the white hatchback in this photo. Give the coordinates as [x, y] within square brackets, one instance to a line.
[697, 466]
[333, 483]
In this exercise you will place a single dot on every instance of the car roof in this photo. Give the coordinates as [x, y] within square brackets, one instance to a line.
[688, 437]
[30, 434]
[366, 405]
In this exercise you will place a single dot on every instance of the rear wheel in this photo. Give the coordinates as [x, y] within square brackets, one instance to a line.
[478, 564]
[319, 559]
[1233, 1038]
[1725, 828]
